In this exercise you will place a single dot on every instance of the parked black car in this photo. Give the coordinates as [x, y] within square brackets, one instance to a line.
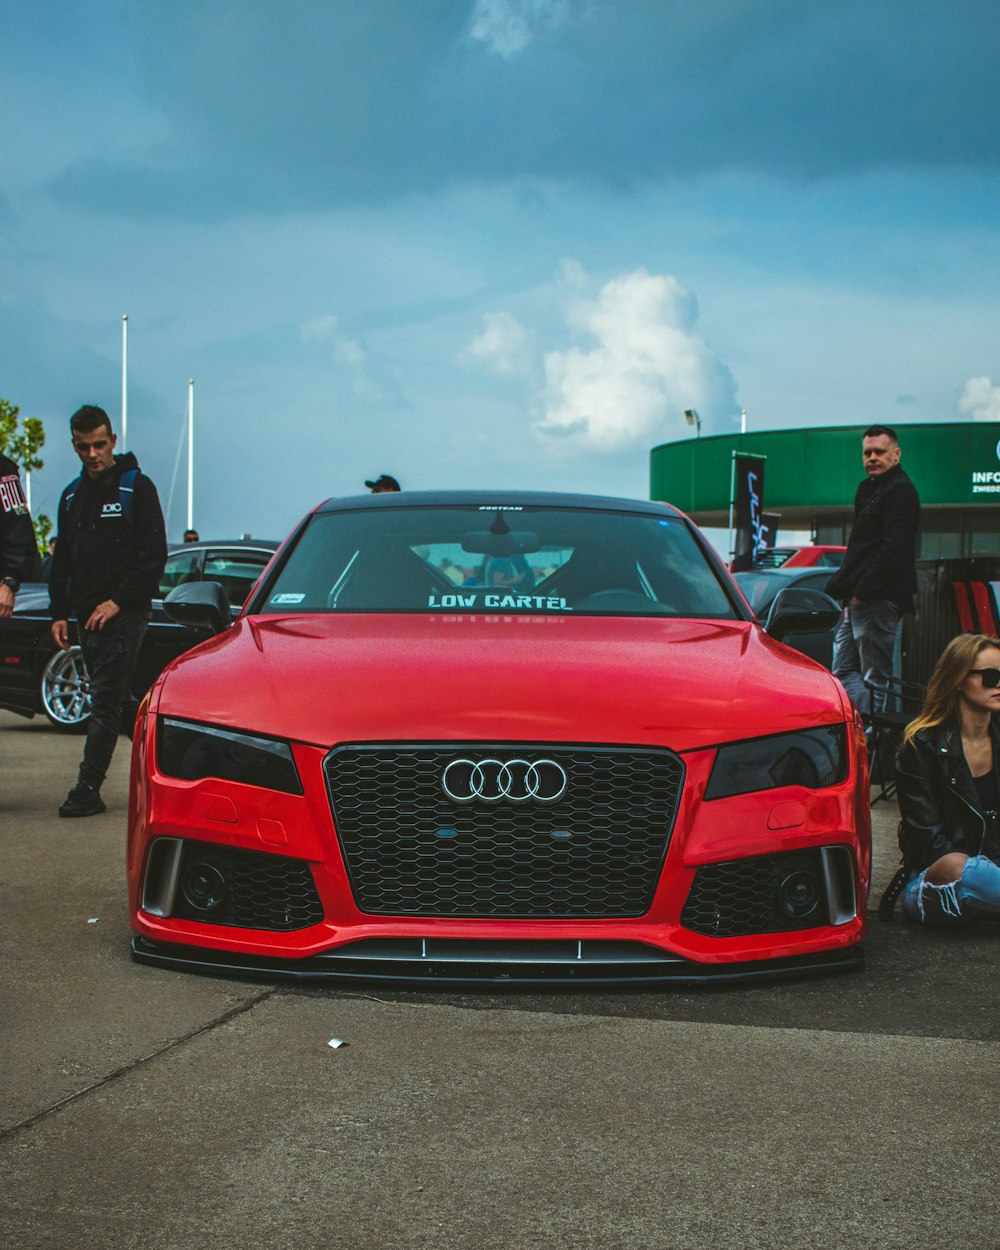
[35, 676]
[762, 585]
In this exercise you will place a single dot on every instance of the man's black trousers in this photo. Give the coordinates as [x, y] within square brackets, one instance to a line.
[110, 654]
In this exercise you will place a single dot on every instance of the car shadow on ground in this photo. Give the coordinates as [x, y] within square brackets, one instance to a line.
[915, 981]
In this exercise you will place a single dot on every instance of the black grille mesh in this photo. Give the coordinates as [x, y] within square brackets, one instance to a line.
[262, 891]
[411, 851]
[738, 897]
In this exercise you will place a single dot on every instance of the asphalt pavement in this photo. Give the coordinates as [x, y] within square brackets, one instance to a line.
[141, 1107]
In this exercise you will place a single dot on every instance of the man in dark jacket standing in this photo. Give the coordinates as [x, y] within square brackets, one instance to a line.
[18, 553]
[106, 569]
[879, 577]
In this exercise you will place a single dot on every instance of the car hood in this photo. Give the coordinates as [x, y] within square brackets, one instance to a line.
[328, 679]
[32, 597]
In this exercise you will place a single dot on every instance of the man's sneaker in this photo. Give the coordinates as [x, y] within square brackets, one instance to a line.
[83, 801]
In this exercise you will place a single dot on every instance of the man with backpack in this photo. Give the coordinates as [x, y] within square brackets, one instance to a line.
[106, 569]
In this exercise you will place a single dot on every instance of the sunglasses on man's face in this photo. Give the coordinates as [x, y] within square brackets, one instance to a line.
[990, 676]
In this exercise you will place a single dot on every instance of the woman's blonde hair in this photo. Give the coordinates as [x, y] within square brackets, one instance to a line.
[951, 670]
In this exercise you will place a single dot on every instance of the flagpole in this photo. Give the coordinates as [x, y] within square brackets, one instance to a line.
[190, 523]
[732, 500]
[125, 382]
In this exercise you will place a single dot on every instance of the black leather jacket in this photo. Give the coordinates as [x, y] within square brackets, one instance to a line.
[937, 797]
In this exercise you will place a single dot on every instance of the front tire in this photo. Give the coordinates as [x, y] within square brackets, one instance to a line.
[66, 690]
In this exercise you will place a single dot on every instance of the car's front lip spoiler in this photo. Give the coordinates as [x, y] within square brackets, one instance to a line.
[491, 973]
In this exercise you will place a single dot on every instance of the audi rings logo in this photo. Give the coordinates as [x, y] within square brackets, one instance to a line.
[517, 781]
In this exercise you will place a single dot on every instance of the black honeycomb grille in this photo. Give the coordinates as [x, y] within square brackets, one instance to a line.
[411, 851]
[738, 897]
[262, 891]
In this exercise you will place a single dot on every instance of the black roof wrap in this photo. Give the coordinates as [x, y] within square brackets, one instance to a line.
[498, 499]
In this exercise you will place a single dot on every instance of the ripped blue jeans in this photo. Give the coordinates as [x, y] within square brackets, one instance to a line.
[975, 893]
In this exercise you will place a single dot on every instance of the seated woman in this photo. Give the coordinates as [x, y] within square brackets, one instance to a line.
[948, 776]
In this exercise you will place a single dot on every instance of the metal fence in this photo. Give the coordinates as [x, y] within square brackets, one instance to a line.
[953, 597]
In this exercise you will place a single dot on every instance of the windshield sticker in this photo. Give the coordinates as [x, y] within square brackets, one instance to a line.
[541, 603]
[500, 507]
[287, 598]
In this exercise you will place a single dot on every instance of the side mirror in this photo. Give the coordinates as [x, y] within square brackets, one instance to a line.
[799, 610]
[199, 605]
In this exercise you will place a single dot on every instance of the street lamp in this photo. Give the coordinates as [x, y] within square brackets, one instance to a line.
[692, 418]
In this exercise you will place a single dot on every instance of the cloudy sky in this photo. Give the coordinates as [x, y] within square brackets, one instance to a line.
[489, 242]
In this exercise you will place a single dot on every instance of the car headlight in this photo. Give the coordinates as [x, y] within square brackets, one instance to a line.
[808, 757]
[191, 751]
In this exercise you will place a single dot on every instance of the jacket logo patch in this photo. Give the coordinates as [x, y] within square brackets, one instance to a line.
[11, 496]
[111, 510]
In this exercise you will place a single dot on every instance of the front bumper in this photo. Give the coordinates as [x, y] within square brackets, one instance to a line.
[493, 964]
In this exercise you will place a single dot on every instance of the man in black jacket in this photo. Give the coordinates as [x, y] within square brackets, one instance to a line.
[18, 553]
[106, 569]
[879, 577]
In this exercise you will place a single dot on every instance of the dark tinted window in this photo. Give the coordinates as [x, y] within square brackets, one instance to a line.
[761, 585]
[181, 566]
[486, 559]
[235, 570]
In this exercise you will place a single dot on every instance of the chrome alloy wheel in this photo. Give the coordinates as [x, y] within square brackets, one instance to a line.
[66, 689]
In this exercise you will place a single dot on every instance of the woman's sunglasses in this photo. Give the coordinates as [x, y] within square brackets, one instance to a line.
[990, 676]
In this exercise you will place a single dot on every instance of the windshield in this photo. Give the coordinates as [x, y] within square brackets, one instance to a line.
[485, 559]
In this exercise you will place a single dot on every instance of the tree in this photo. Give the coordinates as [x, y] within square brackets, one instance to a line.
[23, 445]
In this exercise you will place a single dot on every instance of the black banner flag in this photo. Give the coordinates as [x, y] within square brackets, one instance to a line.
[769, 528]
[749, 511]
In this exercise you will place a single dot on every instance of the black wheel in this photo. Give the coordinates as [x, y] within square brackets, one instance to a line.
[66, 690]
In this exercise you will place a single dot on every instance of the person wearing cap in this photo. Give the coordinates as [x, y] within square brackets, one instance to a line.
[383, 483]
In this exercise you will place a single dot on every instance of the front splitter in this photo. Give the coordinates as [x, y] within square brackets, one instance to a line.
[490, 973]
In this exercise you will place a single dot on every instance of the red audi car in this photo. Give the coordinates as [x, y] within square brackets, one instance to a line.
[498, 737]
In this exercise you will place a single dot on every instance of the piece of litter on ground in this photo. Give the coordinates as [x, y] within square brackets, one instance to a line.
[335, 1042]
[93, 920]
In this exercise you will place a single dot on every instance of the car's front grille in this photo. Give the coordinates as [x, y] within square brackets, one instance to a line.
[761, 894]
[253, 889]
[595, 851]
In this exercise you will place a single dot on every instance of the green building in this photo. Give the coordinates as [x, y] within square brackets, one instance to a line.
[810, 477]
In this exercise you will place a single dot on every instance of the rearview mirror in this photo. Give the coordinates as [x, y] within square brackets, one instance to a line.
[511, 543]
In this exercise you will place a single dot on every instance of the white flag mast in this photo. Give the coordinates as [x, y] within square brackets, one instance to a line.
[190, 523]
[125, 382]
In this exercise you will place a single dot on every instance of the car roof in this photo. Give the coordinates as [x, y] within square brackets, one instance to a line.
[783, 571]
[497, 499]
[204, 544]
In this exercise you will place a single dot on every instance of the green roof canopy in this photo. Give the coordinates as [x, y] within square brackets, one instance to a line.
[812, 474]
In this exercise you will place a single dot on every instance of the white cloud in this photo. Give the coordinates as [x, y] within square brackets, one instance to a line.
[346, 352]
[981, 400]
[508, 26]
[572, 273]
[320, 329]
[646, 366]
[503, 347]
